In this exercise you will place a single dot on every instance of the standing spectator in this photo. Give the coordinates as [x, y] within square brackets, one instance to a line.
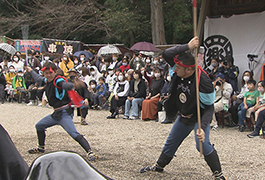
[120, 94]
[66, 64]
[137, 94]
[149, 106]
[2, 85]
[223, 93]
[100, 93]
[251, 98]
[33, 63]
[136, 62]
[230, 71]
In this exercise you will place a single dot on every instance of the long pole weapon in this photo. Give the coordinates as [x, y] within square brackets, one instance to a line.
[196, 71]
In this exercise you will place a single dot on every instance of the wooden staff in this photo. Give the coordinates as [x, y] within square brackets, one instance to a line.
[196, 71]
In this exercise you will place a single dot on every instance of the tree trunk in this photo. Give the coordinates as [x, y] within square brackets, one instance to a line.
[157, 21]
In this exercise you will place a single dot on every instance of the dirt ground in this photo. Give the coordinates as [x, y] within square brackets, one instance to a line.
[125, 146]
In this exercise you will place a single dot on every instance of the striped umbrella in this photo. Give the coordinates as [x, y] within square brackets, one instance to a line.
[8, 48]
[144, 46]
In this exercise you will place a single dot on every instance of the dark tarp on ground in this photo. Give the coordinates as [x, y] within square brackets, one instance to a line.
[12, 165]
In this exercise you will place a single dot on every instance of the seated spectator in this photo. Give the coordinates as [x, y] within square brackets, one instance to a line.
[100, 93]
[237, 99]
[17, 63]
[212, 70]
[251, 98]
[19, 86]
[260, 113]
[114, 62]
[2, 85]
[125, 64]
[35, 92]
[120, 94]
[94, 74]
[261, 106]
[92, 92]
[85, 75]
[5, 65]
[223, 93]
[9, 80]
[165, 93]
[149, 105]
[137, 94]
[230, 71]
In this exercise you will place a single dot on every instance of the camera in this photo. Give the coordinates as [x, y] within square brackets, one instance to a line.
[225, 62]
[252, 56]
[219, 83]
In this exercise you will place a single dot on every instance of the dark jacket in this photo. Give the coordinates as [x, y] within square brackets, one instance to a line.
[141, 89]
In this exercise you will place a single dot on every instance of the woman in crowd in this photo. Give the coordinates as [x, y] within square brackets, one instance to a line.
[125, 64]
[120, 94]
[149, 106]
[136, 96]
[236, 100]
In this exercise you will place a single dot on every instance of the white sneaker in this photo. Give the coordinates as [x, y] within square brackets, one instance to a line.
[30, 104]
[215, 127]
[40, 104]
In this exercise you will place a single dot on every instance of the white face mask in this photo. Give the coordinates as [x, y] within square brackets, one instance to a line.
[76, 62]
[20, 74]
[65, 58]
[168, 78]
[12, 70]
[46, 58]
[137, 59]
[157, 74]
[16, 59]
[93, 86]
[148, 61]
[261, 90]
[82, 59]
[156, 62]
[126, 75]
[161, 60]
[93, 72]
[246, 78]
[29, 57]
[120, 78]
[110, 72]
[114, 59]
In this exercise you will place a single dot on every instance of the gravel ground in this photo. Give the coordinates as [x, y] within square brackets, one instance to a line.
[125, 146]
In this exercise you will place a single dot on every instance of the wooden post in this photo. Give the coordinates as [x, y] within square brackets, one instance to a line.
[196, 71]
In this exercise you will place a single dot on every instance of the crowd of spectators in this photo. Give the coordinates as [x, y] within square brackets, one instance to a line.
[134, 85]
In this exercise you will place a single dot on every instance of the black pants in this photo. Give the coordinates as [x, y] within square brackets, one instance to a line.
[234, 113]
[82, 112]
[115, 104]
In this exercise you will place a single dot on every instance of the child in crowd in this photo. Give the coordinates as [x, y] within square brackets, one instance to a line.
[19, 86]
[100, 93]
[92, 92]
[251, 98]
[259, 112]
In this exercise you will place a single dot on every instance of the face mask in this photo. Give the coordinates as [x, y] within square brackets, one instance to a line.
[82, 59]
[246, 78]
[65, 58]
[20, 74]
[148, 61]
[161, 60]
[156, 62]
[120, 78]
[137, 59]
[126, 75]
[93, 72]
[214, 65]
[136, 76]
[76, 62]
[110, 72]
[157, 74]
[16, 59]
[261, 90]
[29, 57]
[168, 78]
[124, 64]
[93, 86]
[46, 58]
[12, 70]
[114, 59]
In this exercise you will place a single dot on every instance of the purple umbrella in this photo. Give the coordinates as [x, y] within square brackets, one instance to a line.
[144, 46]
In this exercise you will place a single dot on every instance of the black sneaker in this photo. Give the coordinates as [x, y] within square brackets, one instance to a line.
[242, 128]
[152, 168]
[253, 134]
[219, 176]
[36, 150]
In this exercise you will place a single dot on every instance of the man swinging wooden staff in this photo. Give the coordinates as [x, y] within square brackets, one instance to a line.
[182, 100]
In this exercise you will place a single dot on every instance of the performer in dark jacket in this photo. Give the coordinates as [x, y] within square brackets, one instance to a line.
[183, 99]
[63, 113]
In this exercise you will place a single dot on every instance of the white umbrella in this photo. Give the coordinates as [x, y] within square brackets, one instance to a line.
[8, 48]
[109, 49]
